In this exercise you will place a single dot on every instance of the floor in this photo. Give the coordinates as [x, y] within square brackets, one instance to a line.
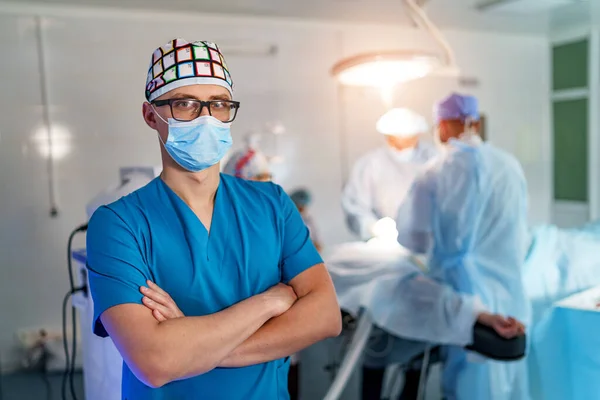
[33, 386]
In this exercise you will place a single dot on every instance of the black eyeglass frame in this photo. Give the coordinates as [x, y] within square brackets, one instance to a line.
[169, 102]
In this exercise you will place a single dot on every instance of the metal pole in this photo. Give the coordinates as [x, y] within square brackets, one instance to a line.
[46, 115]
[423, 377]
[352, 357]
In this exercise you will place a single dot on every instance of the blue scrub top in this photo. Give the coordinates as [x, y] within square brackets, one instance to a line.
[257, 239]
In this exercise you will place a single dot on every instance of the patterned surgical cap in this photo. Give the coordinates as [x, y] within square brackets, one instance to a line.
[181, 63]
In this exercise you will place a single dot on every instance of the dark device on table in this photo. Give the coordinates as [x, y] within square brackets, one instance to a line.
[488, 343]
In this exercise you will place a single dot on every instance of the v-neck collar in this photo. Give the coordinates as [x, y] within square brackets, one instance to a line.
[218, 226]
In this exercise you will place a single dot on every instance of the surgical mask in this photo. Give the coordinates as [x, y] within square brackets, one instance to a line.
[198, 144]
[404, 155]
[468, 130]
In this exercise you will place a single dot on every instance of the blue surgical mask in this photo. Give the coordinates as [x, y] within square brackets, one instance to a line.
[197, 144]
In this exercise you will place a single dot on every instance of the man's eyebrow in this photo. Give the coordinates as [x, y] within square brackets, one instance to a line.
[183, 96]
[219, 97]
[192, 97]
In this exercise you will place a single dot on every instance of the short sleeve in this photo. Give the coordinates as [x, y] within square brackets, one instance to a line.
[414, 218]
[298, 252]
[116, 268]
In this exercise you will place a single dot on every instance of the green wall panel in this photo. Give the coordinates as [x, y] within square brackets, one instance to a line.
[570, 65]
[570, 150]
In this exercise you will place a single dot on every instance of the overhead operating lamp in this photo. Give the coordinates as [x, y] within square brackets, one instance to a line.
[385, 69]
[380, 69]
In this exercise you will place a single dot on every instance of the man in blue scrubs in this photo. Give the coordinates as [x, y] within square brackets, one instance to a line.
[233, 254]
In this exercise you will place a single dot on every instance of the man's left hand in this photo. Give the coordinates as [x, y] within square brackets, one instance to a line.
[163, 307]
[508, 328]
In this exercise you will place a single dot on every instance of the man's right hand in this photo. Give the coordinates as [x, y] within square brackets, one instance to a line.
[280, 298]
[508, 328]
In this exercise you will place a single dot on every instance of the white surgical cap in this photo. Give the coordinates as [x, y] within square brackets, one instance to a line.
[401, 122]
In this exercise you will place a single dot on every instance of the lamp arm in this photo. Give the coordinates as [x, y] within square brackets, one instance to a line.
[422, 20]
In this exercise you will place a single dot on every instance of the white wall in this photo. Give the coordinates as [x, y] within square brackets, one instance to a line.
[96, 72]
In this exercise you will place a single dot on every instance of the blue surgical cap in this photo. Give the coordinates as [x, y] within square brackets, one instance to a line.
[301, 197]
[456, 106]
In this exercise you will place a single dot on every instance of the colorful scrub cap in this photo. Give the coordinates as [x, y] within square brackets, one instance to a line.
[456, 106]
[401, 122]
[181, 63]
[247, 164]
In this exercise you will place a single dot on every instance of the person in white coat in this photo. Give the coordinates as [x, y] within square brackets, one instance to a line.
[380, 179]
[375, 190]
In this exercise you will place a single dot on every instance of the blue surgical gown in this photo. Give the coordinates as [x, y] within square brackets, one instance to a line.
[257, 239]
[469, 211]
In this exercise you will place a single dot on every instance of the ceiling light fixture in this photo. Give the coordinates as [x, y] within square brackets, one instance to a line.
[386, 69]
[380, 69]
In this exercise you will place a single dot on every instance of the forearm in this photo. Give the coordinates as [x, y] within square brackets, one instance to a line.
[312, 318]
[212, 337]
[189, 346]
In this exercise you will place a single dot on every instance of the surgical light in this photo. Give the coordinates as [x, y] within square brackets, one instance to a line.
[384, 69]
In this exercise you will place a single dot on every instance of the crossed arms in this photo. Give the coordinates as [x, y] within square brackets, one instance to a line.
[262, 328]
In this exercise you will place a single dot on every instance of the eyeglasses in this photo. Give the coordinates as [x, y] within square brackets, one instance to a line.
[190, 109]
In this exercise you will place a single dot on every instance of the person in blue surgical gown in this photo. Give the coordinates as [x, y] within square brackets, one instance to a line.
[380, 179]
[468, 212]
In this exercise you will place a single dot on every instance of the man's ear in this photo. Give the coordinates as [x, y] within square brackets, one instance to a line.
[149, 115]
[442, 127]
[476, 126]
